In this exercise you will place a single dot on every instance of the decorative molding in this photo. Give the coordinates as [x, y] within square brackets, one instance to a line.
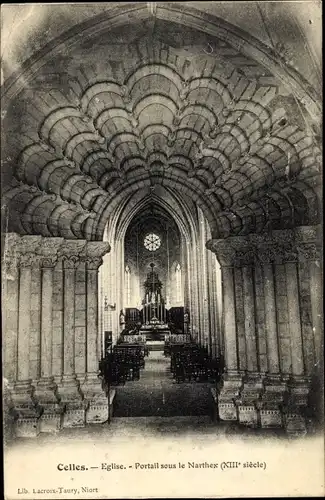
[277, 247]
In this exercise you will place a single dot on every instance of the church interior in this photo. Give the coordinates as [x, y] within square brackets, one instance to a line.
[161, 218]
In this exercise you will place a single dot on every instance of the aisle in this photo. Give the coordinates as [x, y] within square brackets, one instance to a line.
[157, 394]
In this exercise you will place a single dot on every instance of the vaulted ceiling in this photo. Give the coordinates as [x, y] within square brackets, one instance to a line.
[159, 106]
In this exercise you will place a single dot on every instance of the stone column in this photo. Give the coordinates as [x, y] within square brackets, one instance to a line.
[252, 384]
[97, 397]
[46, 389]
[270, 321]
[229, 388]
[29, 411]
[57, 313]
[69, 389]
[274, 386]
[298, 384]
[303, 248]
[24, 318]
[10, 293]
[310, 258]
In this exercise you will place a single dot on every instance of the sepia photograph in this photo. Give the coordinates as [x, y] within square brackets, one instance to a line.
[161, 250]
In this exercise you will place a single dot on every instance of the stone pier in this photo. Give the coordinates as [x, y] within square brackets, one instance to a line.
[50, 293]
[271, 326]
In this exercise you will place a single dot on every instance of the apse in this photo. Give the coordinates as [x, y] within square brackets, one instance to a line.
[153, 238]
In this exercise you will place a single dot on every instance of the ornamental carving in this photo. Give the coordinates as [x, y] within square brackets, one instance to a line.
[11, 268]
[70, 262]
[244, 258]
[93, 263]
[49, 262]
[288, 254]
[29, 244]
[308, 251]
[97, 248]
[258, 249]
[29, 260]
[50, 245]
[224, 252]
[72, 247]
[265, 256]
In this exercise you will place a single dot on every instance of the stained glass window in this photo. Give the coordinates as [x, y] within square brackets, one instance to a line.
[128, 285]
[178, 283]
[152, 242]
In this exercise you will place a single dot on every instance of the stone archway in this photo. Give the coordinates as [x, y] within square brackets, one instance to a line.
[224, 139]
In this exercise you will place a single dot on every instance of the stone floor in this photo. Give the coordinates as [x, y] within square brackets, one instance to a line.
[158, 394]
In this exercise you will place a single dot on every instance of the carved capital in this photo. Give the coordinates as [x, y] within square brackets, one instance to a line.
[49, 262]
[288, 253]
[70, 252]
[278, 246]
[29, 244]
[11, 267]
[95, 249]
[70, 262]
[225, 253]
[266, 255]
[244, 258]
[50, 246]
[29, 260]
[308, 251]
[93, 263]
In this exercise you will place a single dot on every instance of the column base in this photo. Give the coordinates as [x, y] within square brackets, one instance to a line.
[214, 413]
[10, 415]
[98, 402]
[27, 408]
[27, 427]
[75, 406]
[228, 393]
[51, 421]
[272, 401]
[74, 415]
[47, 396]
[271, 418]
[295, 424]
[247, 402]
[296, 406]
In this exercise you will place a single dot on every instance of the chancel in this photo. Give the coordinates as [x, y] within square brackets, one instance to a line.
[161, 237]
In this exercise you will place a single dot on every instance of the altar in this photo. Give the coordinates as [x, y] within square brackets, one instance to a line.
[154, 312]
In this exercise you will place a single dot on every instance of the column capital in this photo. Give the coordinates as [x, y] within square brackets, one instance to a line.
[49, 262]
[309, 251]
[236, 251]
[278, 246]
[27, 247]
[70, 252]
[11, 256]
[48, 251]
[225, 253]
[29, 260]
[93, 263]
[70, 261]
[94, 252]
